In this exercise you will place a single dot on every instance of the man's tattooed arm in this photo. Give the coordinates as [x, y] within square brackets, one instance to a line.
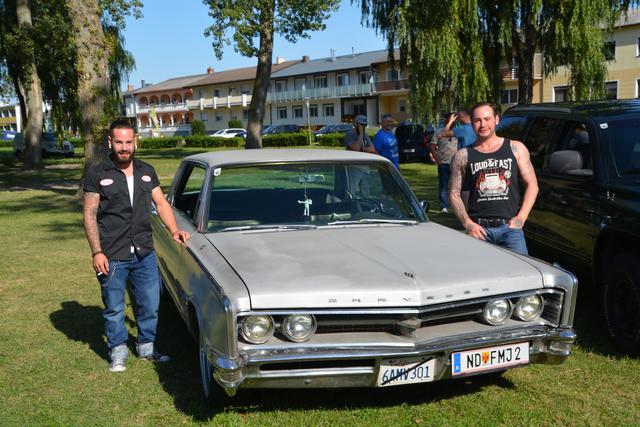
[90, 219]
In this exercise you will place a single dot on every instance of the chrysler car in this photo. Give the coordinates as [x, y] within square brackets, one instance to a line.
[320, 269]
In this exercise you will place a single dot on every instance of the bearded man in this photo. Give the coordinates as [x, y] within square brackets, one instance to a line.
[117, 221]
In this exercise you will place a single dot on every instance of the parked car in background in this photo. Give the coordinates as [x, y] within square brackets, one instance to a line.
[265, 287]
[337, 128]
[48, 145]
[230, 133]
[275, 129]
[413, 142]
[587, 214]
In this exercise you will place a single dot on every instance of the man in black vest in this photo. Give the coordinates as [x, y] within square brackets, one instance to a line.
[117, 221]
[492, 168]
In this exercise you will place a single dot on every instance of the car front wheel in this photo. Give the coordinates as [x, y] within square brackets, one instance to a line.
[213, 393]
[622, 302]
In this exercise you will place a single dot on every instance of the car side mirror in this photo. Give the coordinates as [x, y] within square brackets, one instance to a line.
[568, 162]
[424, 204]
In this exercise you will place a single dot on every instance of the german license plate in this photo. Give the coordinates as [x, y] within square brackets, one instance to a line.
[486, 359]
[409, 150]
[405, 371]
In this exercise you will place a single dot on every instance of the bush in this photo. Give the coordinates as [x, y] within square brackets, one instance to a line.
[77, 142]
[166, 142]
[331, 140]
[204, 141]
[6, 143]
[235, 123]
[285, 140]
[197, 127]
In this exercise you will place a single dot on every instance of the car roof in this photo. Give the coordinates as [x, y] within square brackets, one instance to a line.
[266, 155]
[586, 108]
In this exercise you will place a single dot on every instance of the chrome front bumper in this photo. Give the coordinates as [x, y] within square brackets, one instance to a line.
[357, 366]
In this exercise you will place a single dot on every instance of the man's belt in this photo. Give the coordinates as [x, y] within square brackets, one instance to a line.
[491, 222]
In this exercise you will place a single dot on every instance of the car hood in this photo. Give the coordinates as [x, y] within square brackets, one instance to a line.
[370, 266]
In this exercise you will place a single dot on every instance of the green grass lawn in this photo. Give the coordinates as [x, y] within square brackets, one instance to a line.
[53, 368]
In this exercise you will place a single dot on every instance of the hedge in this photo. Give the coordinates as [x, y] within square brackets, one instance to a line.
[285, 140]
[6, 143]
[203, 141]
[164, 142]
[331, 139]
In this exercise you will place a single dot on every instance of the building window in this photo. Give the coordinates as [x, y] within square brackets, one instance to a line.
[393, 74]
[320, 81]
[298, 83]
[363, 77]
[281, 86]
[232, 91]
[402, 105]
[313, 110]
[509, 96]
[203, 116]
[219, 117]
[297, 111]
[360, 109]
[342, 79]
[611, 90]
[246, 90]
[328, 110]
[245, 114]
[610, 50]
[282, 113]
[560, 94]
[216, 93]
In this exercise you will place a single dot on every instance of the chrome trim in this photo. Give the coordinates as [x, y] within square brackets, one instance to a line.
[250, 375]
[415, 311]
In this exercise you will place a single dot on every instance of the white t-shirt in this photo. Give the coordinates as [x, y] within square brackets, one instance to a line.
[130, 185]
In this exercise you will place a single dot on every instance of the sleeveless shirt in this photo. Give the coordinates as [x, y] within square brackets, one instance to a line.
[492, 179]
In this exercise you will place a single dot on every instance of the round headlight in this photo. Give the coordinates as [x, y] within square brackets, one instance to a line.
[497, 311]
[299, 327]
[257, 329]
[528, 308]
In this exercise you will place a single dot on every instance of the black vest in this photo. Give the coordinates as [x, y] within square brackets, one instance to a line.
[492, 179]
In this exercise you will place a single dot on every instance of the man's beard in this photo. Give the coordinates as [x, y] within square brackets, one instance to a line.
[119, 160]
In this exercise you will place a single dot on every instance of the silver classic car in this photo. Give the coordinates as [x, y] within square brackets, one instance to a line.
[320, 268]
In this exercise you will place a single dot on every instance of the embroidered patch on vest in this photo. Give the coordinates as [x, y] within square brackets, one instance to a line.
[106, 181]
[146, 178]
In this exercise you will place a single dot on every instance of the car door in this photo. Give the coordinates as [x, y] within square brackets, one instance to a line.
[566, 212]
[187, 203]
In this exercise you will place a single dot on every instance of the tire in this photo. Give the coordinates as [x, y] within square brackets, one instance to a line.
[621, 290]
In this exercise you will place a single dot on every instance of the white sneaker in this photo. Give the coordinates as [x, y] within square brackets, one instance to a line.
[118, 356]
[444, 210]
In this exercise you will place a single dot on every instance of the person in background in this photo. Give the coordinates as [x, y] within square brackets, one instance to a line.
[358, 139]
[442, 151]
[385, 141]
[463, 132]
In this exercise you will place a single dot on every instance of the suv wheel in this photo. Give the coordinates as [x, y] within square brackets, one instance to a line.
[622, 302]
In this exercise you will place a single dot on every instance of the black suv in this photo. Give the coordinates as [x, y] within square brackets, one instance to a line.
[413, 142]
[587, 214]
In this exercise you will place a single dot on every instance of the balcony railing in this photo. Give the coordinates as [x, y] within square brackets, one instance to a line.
[177, 106]
[392, 85]
[220, 102]
[511, 73]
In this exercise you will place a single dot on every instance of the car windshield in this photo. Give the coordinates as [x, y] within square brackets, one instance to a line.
[325, 129]
[406, 131]
[625, 145]
[310, 194]
[49, 136]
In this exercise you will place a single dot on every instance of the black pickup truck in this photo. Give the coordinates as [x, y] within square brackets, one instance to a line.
[587, 214]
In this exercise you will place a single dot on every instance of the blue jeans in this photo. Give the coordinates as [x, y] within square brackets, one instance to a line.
[144, 275]
[510, 238]
[444, 172]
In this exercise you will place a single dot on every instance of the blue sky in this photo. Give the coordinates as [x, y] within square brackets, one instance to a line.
[169, 41]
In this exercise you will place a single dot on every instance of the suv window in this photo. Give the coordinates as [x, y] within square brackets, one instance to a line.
[576, 137]
[188, 198]
[625, 145]
[511, 127]
[541, 138]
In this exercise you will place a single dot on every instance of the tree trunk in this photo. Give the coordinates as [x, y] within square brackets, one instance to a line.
[93, 76]
[525, 40]
[32, 131]
[263, 77]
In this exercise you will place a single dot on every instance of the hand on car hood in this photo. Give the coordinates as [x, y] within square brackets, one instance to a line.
[371, 266]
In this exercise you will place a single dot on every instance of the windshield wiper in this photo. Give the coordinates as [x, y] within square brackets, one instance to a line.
[270, 227]
[374, 221]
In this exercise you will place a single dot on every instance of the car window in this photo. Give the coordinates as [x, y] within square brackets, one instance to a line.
[625, 145]
[577, 137]
[306, 193]
[511, 127]
[540, 139]
[188, 198]
[406, 131]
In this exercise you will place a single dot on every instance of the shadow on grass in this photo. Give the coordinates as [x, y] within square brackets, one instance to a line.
[180, 379]
[61, 201]
[84, 324]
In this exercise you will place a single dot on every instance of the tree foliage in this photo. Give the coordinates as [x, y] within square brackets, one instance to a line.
[250, 25]
[454, 49]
